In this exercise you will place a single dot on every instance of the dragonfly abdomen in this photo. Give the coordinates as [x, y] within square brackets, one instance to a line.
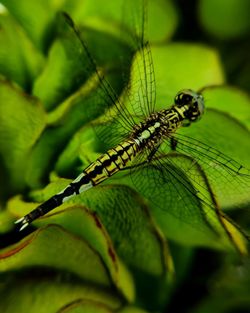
[112, 161]
[105, 166]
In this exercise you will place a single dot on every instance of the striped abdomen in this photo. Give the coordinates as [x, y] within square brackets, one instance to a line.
[105, 166]
[111, 162]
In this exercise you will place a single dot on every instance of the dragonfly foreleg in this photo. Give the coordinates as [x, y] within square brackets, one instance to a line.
[173, 143]
[153, 152]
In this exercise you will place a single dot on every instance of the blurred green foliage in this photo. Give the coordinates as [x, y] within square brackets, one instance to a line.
[107, 250]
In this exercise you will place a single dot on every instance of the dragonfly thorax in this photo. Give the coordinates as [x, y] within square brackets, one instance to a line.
[188, 107]
[151, 131]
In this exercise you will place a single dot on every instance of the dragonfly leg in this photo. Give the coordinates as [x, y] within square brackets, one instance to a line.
[152, 153]
[173, 143]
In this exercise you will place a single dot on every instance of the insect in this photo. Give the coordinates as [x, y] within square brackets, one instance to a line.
[149, 143]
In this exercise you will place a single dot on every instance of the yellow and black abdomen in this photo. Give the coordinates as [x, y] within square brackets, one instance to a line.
[112, 161]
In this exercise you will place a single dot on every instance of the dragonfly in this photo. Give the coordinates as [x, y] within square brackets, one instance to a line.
[150, 145]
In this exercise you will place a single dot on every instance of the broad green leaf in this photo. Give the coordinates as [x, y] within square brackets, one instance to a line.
[85, 104]
[136, 239]
[162, 17]
[178, 66]
[110, 208]
[133, 212]
[79, 221]
[51, 293]
[56, 248]
[231, 100]
[81, 150]
[225, 134]
[86, 306]
[160, 25]
[238, 238]
[69, 64]
[36, 18]
[22, 120]
[225, 19]
[66, 120]
[19, 60]
[181, 66]
[83, 306]
[184, 257]
[121, 210]
[6, 222]
[64, 72]
[183, 205]
[162, 20]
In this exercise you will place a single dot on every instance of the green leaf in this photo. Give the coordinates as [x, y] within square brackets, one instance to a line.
[125, 211]
[180, 66]
[67, 70]
[86, 225]
[19, 60]
[83, 306]
[22, 120]
[224, 133]
[69, 65]
[136, 239]
[86, 306]
[230, 100]
[36, 18]
[65, 121]
[82, 148]
[161, 23]
[51, 293]
[121, 210]
[181, 215]
[184, 65]
[64, 72]
[54, 247]
[6, 222]
[162, 20]
[225, 19]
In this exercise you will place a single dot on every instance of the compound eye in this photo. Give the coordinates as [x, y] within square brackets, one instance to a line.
[183, 98]
[187, 98]
[178, 99]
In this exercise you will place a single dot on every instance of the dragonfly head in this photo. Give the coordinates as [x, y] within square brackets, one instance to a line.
[190, 104]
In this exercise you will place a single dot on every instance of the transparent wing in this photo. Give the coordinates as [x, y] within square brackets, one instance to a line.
[103, 99]
[230, 181]
[138, 99]
[227, 171]
[141, 90]
[164, 181]
[188, 185]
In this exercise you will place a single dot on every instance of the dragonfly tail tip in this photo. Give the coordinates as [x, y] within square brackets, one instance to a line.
[19, 220]
[23, 223]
